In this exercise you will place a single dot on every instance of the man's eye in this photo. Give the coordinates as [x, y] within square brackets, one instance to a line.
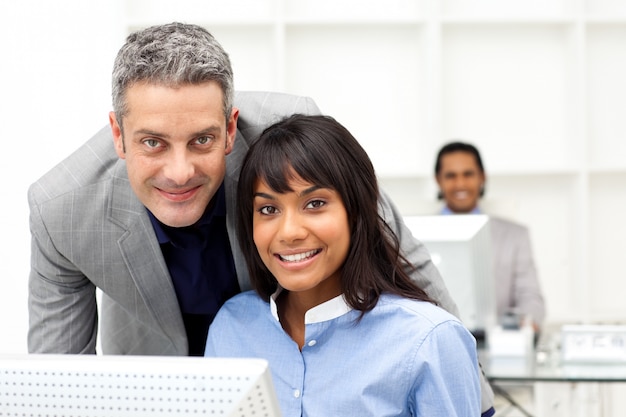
[203, 140]
[151, 143]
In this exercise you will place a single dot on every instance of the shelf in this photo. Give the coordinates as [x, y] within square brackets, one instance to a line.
[354, 21]
[606, 66]
[605, 20]
[536, 85]
[387, 73]
[492, 101]
[606, 243]
[144, 13]
[506, 21]
[503, 9]
[254, 68]
[618, 169]
[610, 8]
[350, 10]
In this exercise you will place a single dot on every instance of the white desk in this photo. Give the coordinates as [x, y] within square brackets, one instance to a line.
[561, 389]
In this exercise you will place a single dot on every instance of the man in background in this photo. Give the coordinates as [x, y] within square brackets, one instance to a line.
[461, 178]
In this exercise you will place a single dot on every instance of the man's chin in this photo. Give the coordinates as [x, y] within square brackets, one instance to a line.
[176, 220]
[462, 209]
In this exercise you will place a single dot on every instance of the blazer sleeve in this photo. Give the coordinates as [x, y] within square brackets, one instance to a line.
[526, 288]
[62, 304]
[425, 273]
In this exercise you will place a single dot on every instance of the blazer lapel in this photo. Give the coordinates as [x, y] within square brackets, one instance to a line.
[144, 260]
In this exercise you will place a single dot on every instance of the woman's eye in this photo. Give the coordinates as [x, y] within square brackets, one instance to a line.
[267, 210]
[316, 204]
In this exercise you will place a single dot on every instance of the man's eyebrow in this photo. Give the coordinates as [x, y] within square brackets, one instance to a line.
[149, 132]
[207, 131]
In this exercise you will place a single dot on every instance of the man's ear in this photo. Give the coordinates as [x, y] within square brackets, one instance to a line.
[482, 186]
[231, 130]
[118, 139]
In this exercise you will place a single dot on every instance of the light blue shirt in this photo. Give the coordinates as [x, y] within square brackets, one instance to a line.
[446, 210]
[404, 358]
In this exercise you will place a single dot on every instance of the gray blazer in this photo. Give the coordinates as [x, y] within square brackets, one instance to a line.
[90, 231]
[517, 286]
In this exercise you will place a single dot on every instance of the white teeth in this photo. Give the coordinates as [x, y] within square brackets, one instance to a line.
[297, 257]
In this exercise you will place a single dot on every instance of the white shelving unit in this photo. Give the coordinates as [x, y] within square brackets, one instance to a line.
[537, 85]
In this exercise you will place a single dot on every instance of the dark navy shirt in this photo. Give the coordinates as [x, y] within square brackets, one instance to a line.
[201, 265]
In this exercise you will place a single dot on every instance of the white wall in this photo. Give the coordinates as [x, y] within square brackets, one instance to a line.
[538, 88]
[55, 69]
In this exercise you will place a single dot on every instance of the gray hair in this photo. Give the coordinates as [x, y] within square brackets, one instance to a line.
[172, 55]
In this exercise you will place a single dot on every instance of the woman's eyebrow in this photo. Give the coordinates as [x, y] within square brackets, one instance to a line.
[263, 195]
[309, 190]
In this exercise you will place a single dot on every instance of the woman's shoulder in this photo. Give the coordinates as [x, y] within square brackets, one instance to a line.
[424, 310]
[245, 301]
[245, 295]
[420, 321]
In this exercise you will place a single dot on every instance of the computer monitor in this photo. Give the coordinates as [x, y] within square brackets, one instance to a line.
[111, 386]
[460, 248]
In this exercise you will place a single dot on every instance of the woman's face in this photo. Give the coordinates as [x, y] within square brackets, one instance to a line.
[302, 236]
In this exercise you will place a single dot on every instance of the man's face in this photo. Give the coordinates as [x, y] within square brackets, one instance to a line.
[460, 181]
[175, 142]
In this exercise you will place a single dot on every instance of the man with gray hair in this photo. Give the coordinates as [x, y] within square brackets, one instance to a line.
[144, 211]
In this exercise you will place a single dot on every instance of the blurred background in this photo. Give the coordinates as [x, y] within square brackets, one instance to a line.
[536, 85]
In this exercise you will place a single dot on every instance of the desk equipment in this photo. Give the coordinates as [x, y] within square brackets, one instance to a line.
[575, 383]
[593, 343]
[511, 343]
[111, 386]
[460, 248]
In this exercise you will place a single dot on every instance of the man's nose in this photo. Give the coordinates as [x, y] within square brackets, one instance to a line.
[179, 168]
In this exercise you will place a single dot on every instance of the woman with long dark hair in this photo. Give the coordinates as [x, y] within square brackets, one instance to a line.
[344, 328]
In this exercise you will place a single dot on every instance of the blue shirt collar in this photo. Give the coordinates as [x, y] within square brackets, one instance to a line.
[446, 210]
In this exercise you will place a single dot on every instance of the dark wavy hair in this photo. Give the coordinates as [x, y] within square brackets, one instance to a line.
[321, 151]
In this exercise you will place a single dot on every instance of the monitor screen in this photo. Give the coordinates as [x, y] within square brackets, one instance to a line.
[460, 248]
[90, 385]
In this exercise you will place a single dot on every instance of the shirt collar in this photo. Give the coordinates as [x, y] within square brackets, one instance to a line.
[331, 309]
[216, 208]
[446, 210]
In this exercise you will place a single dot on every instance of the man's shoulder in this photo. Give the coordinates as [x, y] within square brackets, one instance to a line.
[502, 223]
[92, 163]
[259, 109]
[267, 104]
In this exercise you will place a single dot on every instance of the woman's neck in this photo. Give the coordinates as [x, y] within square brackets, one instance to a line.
[291, 312]
[292, 308]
